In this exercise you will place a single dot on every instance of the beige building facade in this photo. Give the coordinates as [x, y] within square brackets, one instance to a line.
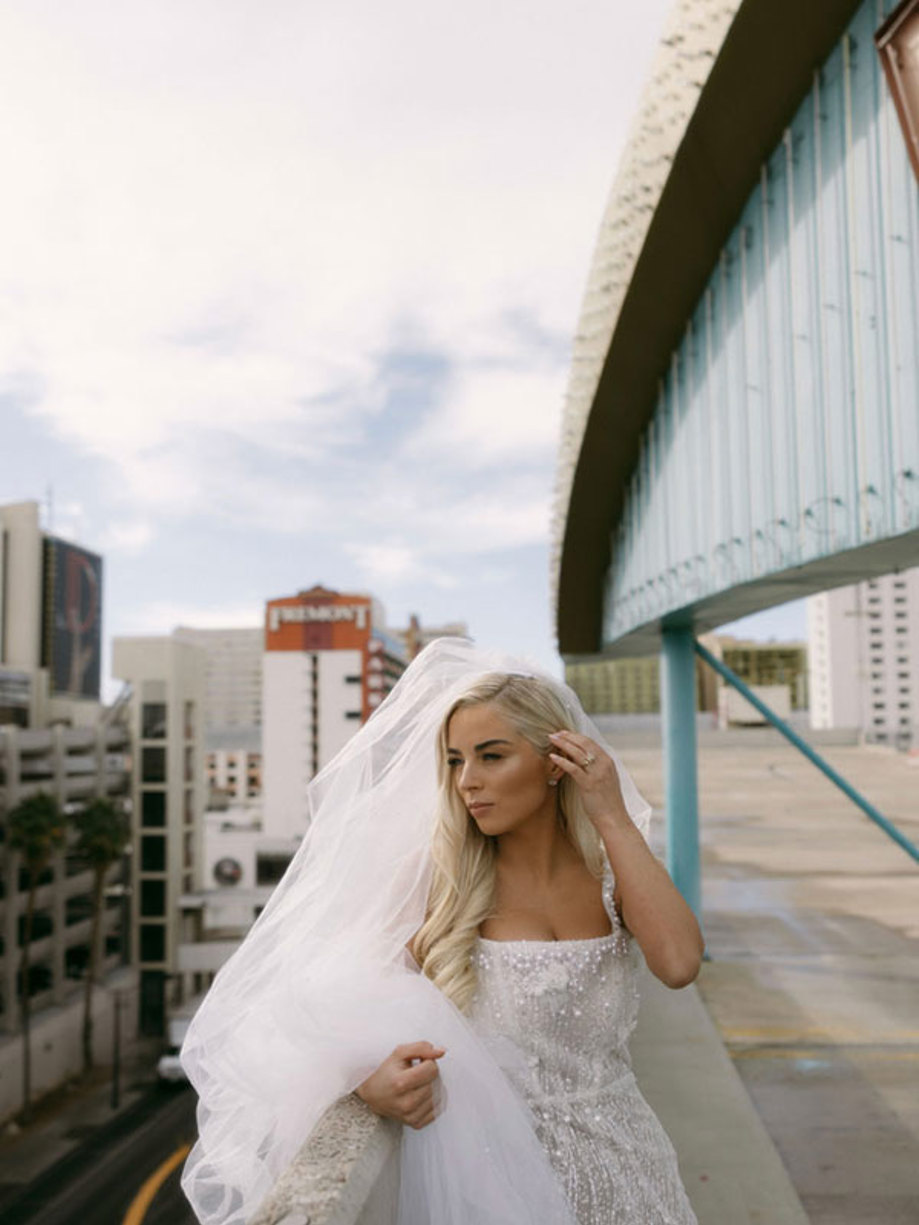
[165, 717]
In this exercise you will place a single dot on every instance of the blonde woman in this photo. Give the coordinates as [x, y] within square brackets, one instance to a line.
[542, 887]
[457, 940]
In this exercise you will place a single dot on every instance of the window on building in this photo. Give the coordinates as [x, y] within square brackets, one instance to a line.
[153, 721]
[352, 680]
[78, 908]
[270, 868]
[189, 806]
[153, 809]
[152, 942]
[189, 713]
[153, 765]
[153, 853]
[352, 714]
[189, 764]
[879, 706]
[153, 899]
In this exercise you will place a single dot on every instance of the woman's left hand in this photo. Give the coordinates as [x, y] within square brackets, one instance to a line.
[594, 773]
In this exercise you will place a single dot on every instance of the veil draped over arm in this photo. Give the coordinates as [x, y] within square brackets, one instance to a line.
[320, 991]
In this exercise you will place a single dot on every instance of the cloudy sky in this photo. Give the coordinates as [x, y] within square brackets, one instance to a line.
[288, 290]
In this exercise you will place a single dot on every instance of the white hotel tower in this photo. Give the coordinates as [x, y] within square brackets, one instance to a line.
[864, 658]
[327, 665]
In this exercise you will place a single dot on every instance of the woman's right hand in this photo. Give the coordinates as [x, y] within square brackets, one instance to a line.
[404, 1086]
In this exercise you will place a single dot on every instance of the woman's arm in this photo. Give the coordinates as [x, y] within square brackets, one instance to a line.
[652, 907]
[404, 1086]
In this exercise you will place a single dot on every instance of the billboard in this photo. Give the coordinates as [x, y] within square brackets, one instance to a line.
[72, 629]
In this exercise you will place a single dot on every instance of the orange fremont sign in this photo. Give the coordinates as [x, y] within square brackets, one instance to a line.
[318, 620]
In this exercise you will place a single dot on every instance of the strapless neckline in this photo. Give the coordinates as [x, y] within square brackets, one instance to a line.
[553, 943]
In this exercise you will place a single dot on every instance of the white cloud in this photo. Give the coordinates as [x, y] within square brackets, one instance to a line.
[218, 226]
[130, 537]
[496, 416]
[398, 563]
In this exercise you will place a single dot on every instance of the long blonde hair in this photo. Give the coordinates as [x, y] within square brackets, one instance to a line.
[462, 892]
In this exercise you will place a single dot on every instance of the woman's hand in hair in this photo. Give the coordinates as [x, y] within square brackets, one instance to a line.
[594, 773]
[406, 1085]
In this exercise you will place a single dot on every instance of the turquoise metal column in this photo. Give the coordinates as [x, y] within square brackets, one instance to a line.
[678, 691]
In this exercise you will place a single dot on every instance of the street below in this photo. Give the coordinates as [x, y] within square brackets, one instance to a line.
[97, 1182]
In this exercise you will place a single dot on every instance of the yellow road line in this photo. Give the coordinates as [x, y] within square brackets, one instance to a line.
[144, 1197]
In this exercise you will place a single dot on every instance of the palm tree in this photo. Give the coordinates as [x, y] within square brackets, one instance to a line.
[103, 832]
[36, 828]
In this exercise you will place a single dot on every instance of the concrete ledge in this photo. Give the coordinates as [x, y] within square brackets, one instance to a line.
[345, 1174]
[731, 1169]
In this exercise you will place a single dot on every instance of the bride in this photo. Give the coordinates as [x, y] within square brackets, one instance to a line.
[476, 832]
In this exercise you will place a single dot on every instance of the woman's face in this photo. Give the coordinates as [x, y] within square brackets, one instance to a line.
[500, 777]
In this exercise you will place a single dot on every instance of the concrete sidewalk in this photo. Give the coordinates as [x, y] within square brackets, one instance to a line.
[731, 1169]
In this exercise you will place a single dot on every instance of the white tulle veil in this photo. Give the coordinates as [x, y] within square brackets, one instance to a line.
[321, 989]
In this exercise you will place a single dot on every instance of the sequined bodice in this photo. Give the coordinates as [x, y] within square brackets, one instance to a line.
[557, 1016]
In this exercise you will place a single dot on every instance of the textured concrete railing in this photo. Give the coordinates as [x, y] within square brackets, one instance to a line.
[347, 1173]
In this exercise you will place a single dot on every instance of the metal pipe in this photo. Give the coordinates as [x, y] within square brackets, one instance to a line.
[879, 819]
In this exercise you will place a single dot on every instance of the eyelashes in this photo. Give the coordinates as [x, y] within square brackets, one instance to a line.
[453, 762]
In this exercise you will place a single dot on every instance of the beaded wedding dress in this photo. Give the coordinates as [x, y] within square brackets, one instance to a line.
[557, 1016]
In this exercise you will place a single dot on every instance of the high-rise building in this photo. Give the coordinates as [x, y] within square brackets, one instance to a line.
[167, 679]
[232, 711]
[50, 623]
[328, 665]
[56, 738]
[864, 658]
[233, 677]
